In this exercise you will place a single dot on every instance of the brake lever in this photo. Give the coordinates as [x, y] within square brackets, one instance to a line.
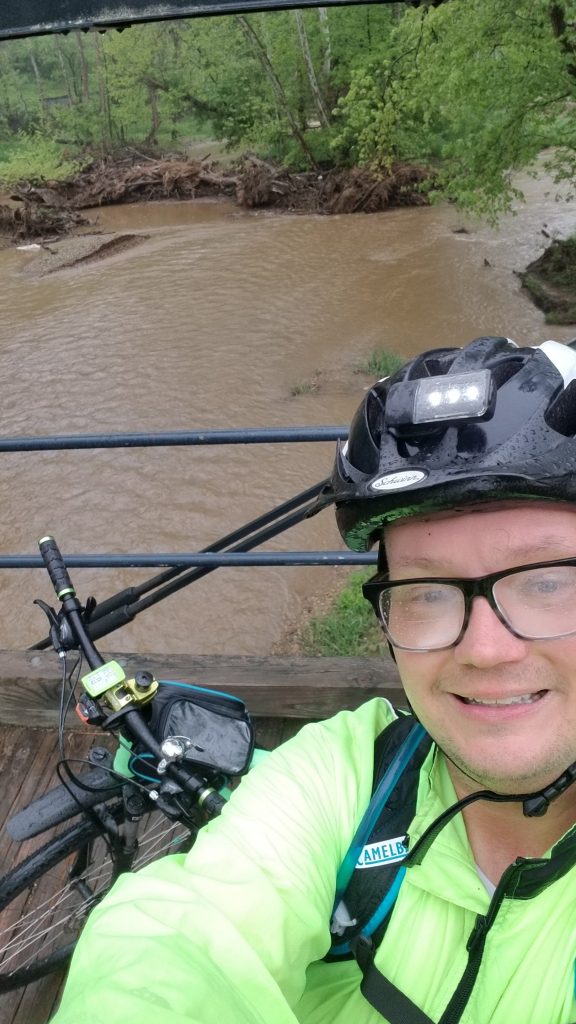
[61, 635]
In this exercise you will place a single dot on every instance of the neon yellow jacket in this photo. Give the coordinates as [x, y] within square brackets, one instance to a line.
[234, 932]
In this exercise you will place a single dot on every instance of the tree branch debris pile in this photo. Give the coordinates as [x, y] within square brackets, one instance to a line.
[34, 219]
[253, 184]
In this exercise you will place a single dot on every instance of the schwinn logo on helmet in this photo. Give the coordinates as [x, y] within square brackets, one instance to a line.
[398, 481]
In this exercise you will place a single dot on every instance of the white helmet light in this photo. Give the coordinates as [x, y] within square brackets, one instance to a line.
[432, 400]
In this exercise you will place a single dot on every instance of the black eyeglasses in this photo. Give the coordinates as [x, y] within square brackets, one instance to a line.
[535, 602]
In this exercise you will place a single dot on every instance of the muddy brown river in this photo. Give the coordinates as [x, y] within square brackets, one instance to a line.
[211, 323]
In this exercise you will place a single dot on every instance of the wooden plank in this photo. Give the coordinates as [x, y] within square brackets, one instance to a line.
[277, 687]
[271, 732]
[28, 758]
[34, 1004]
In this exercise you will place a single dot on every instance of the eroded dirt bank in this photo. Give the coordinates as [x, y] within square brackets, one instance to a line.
[551, 281]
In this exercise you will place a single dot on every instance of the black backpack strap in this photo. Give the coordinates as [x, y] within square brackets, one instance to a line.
[381, 993]
[370, 876]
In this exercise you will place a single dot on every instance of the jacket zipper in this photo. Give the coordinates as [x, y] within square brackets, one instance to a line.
[475, 947]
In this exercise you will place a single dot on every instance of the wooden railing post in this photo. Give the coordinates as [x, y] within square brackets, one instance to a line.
[274, 687]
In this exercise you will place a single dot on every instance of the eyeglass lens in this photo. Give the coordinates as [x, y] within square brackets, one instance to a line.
[536, 603]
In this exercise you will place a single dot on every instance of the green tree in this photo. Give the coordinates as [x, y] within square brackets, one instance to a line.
[472, 88]
[479, 87]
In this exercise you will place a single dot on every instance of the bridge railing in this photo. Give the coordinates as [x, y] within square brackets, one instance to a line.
[272, 686]
[183, 568]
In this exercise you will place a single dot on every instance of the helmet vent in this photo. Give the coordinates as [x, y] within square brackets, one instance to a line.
[472, 440]
[428, 364]
[504, 369]
[561, 415]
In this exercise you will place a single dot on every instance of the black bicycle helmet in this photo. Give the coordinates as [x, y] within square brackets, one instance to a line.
[458, 426]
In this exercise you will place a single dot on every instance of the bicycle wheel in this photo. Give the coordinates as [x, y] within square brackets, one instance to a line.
[45, 900]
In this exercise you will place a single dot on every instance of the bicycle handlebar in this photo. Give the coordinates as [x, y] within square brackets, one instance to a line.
[132, 719]
[56, 568]
[207, 797]
[66, 594]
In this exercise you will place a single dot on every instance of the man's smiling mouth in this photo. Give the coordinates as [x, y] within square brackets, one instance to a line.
[522, 698]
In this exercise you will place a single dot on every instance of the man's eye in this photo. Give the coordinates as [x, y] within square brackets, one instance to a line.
[545, 586]
[548, 586]
[427, 596]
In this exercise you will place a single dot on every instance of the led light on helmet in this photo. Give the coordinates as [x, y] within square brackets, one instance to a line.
[419, 406]
[462, 396]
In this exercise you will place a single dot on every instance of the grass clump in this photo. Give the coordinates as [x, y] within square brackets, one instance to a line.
[303, 387]
[381, 363]
[348, 628]
[307, 386]
[562, 316]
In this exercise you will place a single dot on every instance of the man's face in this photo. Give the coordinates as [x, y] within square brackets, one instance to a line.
[507, 747]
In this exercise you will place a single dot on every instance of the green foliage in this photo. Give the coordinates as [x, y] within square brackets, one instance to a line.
[289, 153]
[36, 158]
[368, 120]
[473, 89]
[348, 628]
[381, 363]
[259, 88]
[79, 126]
[477, 86]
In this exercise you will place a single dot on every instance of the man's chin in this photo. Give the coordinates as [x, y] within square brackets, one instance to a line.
[503, 779]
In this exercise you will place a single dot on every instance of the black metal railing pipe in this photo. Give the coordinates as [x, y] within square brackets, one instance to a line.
[67, 442]
[185, 559]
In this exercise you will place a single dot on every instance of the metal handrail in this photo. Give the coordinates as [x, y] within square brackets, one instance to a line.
[174, 438]
[186, 560]
[183, 568]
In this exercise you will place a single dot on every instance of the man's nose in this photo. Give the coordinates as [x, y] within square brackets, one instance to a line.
[487, 641]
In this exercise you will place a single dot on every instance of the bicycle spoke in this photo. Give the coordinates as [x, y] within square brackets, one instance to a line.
[50, 913]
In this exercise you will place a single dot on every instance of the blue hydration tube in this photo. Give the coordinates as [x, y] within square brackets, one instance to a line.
[383, 790]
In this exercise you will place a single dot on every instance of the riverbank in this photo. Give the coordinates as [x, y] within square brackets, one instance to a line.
[551, 281]
[52, 215]
[55, 208]
[336, 622]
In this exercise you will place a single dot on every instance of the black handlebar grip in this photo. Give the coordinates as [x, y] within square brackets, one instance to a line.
[56, 568]
[213, 803]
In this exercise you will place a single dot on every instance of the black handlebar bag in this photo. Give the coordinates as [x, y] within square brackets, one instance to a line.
[218, 726]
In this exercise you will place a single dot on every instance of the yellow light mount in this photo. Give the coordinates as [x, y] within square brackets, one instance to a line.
[109, 682]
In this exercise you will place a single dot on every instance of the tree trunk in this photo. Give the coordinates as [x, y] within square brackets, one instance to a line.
[68, 82]
[84, 73]
[557, 13]
[276, 84]
[326, 43]
[152, 137]
[105, 111]
[310, 71]
[39, 83]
